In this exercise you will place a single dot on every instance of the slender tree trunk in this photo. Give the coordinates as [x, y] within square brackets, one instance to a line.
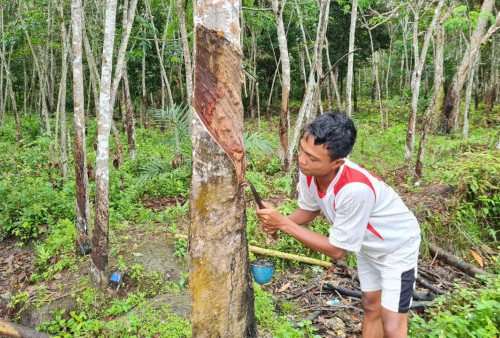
[187, 54]
[438, 93]
[468, 95]
[105, 115]
[144, 92]
[132, 152]
[43, 89]
[13, 98]
[308, 102]
[350, 60]
[278, 7]
[80, 152]
[2, 99]
[61, 102]
[166, 82]
[452, 99]
[417, 72]
[222, 301]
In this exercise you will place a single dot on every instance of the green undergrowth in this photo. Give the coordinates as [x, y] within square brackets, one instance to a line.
[467, 312]
[105, 314]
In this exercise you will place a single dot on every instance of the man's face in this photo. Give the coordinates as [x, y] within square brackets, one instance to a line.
[314, 160]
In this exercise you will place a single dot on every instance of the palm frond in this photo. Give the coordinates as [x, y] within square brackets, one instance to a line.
[152, 169]
[255, 142]
[176, 116]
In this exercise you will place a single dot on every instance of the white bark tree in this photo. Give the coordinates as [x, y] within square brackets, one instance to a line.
[278, 7]
[418, 68]
[350, 60]
[99, 253]
[80, 151]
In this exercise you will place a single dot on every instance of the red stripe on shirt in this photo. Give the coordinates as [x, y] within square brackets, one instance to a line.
[375, 232]
[351, 175]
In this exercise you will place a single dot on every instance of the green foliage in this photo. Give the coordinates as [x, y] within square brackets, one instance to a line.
[476, 178]
[468, 312]
[176, 117]
[57, 250]
[278, 325]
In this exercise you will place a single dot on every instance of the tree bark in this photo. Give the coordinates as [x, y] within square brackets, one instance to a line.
[452, 99]
[350, 60]
[219, 275]
[132, 152]
[80, 152]
[99, 253]
[469, 269]
[278, 7]
[187, 55]
[308, 102]
[12, 98]
[61, 102]
[417, 73]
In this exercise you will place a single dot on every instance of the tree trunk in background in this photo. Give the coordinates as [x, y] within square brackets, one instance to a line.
[492, 87]
[278, 7]
[12, 98]
[2, 99]
[144, 92]
[166, 82]
[61, 101]
[80, 152]
[220, 284]
[417, 72]
[132, 152]
[104, 117]
[350, 60]
[468, 95]
[187, 55]
[41, 77]
[128, 20]
[308, 103]
[438, 93]
[452, 99]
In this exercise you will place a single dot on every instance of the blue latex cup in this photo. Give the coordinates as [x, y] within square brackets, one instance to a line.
[262, 270]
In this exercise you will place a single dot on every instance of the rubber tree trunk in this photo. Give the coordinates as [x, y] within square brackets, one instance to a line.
[132, 152]
[452, 99]
[416, 78]
[350, 60]
[437, 96]
[80, 151]
[61, 102]
[308, 101]
[278, 7]
[100, 248]
[220, 285]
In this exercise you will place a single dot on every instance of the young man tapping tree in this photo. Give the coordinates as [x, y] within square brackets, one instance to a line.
[366, 217]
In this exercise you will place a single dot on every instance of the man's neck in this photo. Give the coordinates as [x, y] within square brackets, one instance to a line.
[324, 181]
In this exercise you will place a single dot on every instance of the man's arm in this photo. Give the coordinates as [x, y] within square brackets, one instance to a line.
[302, 216]
[272, 221]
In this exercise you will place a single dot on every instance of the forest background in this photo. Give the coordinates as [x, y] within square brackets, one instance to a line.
[419, 78]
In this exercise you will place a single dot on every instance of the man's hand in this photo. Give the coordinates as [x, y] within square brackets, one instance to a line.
[271, 219]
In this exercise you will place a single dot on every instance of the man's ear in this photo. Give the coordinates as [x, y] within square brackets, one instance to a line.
[338, 162]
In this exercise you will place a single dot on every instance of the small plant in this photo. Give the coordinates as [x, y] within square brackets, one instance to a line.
[469, 312]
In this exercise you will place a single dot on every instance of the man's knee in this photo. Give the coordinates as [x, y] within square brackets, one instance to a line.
[371, 301]
[395, 324]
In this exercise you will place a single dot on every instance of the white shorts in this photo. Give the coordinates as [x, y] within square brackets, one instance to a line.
[394, 274]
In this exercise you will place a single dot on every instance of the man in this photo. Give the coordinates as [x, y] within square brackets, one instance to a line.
[366, 217]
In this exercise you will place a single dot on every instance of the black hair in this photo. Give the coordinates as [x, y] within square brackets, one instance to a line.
[336, 131]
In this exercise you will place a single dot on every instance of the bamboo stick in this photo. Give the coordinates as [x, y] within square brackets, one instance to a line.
[279, 254]
[288, 256]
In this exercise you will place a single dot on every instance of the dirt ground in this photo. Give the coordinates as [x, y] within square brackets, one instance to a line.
[306, 287]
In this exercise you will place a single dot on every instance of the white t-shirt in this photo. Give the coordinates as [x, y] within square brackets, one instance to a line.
[365, 213]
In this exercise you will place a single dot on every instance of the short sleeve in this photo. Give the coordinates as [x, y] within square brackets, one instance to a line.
[353, 204]
[306, 200]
